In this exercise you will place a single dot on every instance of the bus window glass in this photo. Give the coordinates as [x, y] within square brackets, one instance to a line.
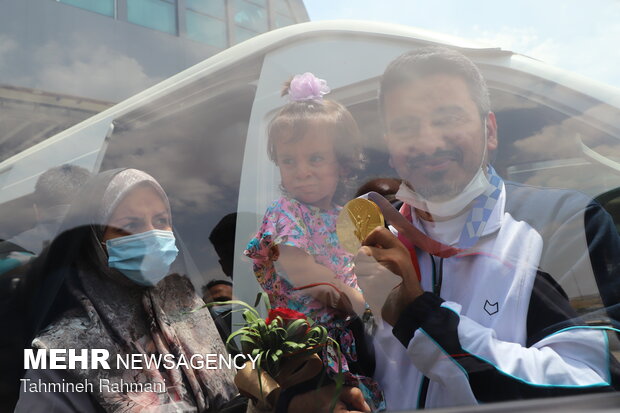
[196, 155]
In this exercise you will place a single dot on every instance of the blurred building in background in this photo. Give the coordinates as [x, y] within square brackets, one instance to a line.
[61, 61]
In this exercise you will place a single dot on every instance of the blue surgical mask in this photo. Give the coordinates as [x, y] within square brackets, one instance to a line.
[220, 309]
[144, 258]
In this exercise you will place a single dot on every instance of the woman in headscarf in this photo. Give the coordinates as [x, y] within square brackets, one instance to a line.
[107, 283]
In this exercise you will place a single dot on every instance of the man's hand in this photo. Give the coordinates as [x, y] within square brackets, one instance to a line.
[394, 305]
[320, 400]
[388, 251]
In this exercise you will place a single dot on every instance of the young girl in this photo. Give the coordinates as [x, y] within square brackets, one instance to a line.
[297, 257]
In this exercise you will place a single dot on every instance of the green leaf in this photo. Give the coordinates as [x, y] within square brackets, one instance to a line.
[273, 361]
[233, 335]
[291, 346]
[250, 317]
[276, 322]
[297, 329]
[265, 298]
[339, 379]
[277, 336]
[248, 344]
[261, 327]
[269, 363]
[234, 302]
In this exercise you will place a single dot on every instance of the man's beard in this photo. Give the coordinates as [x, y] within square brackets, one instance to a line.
[438, 189]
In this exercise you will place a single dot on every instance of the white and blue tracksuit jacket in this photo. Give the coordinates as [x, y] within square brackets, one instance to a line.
[501, 327]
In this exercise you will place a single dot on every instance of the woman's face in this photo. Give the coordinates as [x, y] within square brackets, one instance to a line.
[139, 211]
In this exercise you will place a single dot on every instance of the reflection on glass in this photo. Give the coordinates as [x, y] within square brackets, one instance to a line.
[251, 16]
[538, 146]
[544, 147]
[206, 29]
[242, 34]
[297, 256]
[282, 21]
[116, 276]
[262, 3]
[196, 148]
[611, 202]
[282, 7]
[105, 7]
[156, 14]
[199, 163]
[215, 8]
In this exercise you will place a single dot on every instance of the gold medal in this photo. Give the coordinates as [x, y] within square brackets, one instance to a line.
[356, 220]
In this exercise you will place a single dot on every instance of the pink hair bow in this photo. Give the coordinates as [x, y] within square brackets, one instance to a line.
[307, 87]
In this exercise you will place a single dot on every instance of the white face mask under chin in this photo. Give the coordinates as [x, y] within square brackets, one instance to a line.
[476, 187]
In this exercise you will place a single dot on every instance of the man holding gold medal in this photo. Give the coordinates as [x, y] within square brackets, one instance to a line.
[473, 312]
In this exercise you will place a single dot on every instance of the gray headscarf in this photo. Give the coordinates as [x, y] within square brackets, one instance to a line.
[123, 183]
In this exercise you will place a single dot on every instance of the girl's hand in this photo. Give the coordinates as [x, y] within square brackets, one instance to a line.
[351, 302]
[302, 270]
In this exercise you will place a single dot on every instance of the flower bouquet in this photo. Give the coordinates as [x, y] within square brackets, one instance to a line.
[286, 344]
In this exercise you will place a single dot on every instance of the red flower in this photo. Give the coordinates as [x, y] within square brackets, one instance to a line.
[285, 313]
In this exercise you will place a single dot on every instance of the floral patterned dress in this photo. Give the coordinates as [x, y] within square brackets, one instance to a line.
[313, 230]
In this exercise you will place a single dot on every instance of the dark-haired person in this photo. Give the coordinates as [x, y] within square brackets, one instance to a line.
[222, 237]
[481, 318]
[386, 187]
[53, 194]
[218, 291]
[110, 281]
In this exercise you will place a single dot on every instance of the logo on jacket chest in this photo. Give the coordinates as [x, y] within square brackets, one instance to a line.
[491, 308]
